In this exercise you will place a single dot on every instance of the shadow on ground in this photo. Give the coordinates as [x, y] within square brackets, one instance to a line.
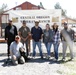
[6, 62]
[3, 54]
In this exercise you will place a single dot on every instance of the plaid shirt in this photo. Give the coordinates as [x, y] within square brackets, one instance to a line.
[56, 37]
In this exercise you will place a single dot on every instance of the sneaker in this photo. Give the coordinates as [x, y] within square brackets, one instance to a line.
[55, 59]
[33, 57]
[15, 63]
[48, 57]
[63, 59]
[71, 59]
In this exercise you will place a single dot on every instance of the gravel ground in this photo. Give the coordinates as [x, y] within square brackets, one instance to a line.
[35, 66]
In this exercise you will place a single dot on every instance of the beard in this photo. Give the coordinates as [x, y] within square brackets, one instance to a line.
[65, 28]
[16, 41]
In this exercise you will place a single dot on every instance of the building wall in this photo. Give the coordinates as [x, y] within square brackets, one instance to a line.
[23, 6]
[71, 21]
[26, 6]
[63, 20]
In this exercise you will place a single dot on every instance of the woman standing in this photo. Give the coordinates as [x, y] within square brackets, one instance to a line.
[56, 39]
[47, 39]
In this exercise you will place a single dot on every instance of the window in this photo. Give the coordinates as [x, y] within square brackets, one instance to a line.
[34, 7]
[18, 8]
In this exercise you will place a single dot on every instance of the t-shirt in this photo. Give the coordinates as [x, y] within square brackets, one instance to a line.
[14, 47]
[24, 31]
[36, 33]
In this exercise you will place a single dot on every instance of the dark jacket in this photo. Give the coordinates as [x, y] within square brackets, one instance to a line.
[10, 32]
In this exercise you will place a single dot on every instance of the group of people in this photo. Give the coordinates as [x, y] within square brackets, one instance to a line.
[51, 36]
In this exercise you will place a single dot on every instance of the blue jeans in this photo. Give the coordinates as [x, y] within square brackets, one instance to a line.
[39, 46]
[48, 46]
[56, 46]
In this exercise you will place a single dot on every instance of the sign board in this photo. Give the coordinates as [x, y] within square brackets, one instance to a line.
[44, 16]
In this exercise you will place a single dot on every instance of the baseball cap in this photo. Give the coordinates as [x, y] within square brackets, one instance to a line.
[36, 20]
[17, 37]
[10, 20]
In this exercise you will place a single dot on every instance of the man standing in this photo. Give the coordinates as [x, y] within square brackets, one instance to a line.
[24, 33]
[67, 37]
[10, 33]
[36, 33]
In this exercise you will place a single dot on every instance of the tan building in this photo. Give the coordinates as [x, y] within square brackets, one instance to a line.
[69, 20]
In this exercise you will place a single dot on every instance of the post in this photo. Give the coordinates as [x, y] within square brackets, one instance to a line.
[0, 27]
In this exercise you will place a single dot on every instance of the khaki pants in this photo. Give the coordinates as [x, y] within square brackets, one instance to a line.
[64, 46]
[27, 46]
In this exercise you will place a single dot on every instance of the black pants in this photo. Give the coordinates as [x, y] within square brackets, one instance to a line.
[8, 50]
[24, 55]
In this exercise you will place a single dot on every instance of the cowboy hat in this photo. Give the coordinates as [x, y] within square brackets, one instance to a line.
[55, 24]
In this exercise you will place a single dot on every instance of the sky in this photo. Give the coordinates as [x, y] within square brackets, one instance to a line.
[68, 5]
